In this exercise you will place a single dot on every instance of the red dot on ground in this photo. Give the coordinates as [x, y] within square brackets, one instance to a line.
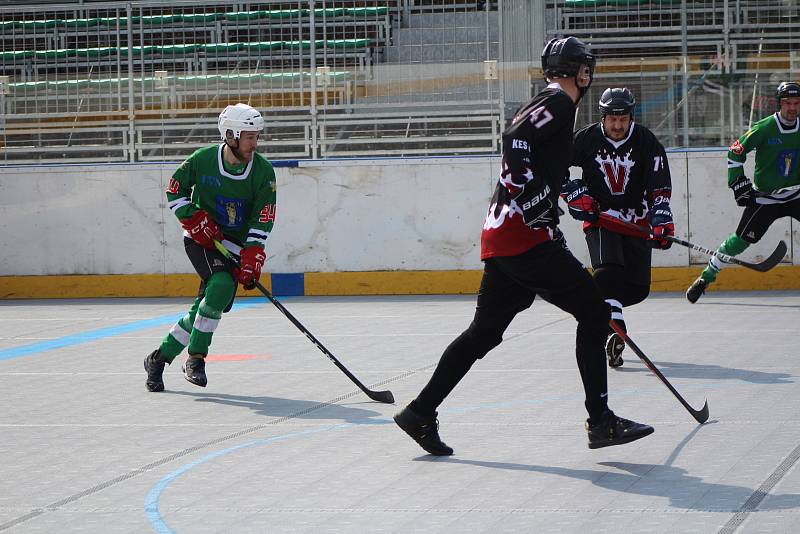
[236, 357]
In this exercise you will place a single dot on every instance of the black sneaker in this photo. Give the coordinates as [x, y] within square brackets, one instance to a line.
[424, 430]
[696, 289]
[613, 430]
[614, 348]
[154, 365]
[194, 370]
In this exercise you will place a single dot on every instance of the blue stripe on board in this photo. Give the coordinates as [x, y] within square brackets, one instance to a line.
[278, 163]
[288, 284]
[274, 163]
[102, 333]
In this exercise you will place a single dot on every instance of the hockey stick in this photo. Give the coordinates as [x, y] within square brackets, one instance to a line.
[701, 415]
[762, 267]
[380, 396]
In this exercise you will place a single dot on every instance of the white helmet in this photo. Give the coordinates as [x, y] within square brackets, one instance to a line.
[239, 118]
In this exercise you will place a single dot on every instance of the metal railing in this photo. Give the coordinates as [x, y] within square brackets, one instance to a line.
[421, 130]
[142, 80]
[702, 70]
[320, 71]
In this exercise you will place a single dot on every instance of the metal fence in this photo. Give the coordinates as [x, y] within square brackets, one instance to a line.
[702, 70]
[137, 81]
[105, 81]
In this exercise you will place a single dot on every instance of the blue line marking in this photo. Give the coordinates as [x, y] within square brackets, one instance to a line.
[102, 333]
[152, 500]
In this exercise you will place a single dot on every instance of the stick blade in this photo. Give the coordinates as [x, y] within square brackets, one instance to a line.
[701, 415]
[381, 396]
[774, 258]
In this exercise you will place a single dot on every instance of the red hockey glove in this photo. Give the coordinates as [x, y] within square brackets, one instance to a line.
[203, 229]
[581, 205]
[661, 221]
[252, 258]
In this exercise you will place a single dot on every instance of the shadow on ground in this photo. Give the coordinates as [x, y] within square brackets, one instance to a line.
[287, 408]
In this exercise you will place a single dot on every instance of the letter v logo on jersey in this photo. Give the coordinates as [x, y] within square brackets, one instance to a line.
[616, 171]
[615, 177]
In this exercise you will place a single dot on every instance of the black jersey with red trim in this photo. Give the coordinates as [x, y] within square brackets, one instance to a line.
[625, 177]
[537, 147]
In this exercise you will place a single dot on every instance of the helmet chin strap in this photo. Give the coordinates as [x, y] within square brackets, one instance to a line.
[582, 90]
[235, 151]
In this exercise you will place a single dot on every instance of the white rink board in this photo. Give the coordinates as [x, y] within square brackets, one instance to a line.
[346, 215]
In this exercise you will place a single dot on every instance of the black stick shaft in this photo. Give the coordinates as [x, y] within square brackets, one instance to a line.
[380, 396]
[701, 415]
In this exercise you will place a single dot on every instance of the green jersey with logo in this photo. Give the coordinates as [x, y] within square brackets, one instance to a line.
[777, 172]
[241, 200]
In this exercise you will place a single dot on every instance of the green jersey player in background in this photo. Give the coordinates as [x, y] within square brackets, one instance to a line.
[775, 189]
[225, 193]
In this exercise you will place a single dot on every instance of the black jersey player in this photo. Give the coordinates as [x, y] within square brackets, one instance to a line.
[523, 257]
[625, 174]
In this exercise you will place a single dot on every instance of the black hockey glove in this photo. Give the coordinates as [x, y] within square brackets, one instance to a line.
[661, 221]
[538, 210]
[743, 192]
[581, 205]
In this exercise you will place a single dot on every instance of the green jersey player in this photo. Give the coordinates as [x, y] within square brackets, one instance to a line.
[775, 189]
[225, 193]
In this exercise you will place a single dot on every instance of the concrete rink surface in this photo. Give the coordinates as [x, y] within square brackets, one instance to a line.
[282, 441]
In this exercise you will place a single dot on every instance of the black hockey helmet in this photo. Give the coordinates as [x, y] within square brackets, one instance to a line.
[562, 58]
[787, 90]
[617, 101]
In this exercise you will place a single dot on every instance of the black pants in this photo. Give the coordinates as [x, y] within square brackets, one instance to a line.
[509, 286]
[757, 219]
[610, 248]
[621, 268]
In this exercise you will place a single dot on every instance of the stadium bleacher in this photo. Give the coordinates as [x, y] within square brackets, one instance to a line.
[411, 75]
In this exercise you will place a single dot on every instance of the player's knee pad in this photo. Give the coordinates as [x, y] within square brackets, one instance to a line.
[610, 278]
[634, 294]
[220, 289]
